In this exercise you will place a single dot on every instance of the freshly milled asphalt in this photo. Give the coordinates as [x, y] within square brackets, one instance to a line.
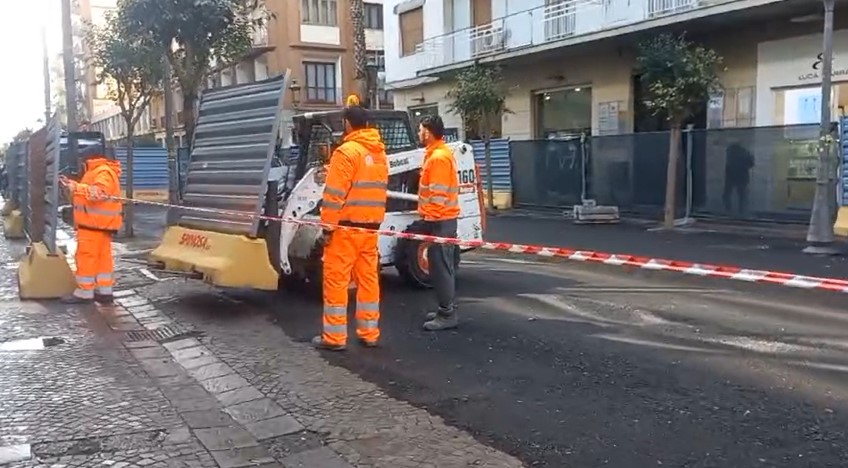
[567, 365]
[577, 365]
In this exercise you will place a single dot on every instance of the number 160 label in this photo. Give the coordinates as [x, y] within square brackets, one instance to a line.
[465, 176]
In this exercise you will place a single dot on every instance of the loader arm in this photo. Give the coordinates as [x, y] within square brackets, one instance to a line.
[306, 196]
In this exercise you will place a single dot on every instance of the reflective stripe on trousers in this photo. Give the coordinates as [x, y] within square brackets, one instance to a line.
[368, 320]
[351, 255]
[94, 263]
[335, 325]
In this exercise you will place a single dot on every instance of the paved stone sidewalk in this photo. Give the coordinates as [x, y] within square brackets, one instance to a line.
[82, 400]
[128, 386]
[336, 411]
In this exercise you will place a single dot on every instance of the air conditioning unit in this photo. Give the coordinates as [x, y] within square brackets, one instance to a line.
[491, 40]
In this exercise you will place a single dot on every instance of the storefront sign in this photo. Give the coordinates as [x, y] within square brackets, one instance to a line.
[792, 63]
[814, 74]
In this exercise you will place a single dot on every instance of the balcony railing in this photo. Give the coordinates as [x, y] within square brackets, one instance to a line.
[553, 22]
[260, 36]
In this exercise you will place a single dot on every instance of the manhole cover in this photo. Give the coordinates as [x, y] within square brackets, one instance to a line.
[161, 335]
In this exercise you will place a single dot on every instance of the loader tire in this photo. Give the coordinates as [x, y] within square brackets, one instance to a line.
[411, 258]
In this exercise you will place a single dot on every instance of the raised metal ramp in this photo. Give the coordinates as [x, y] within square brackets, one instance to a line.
[234, 143]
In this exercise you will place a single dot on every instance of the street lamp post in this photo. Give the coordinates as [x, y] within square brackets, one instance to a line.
[70, 74]
[820, 237]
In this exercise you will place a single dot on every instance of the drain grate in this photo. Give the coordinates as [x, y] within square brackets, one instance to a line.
[161, 335]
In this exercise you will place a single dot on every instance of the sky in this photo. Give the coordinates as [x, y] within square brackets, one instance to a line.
[21, 77]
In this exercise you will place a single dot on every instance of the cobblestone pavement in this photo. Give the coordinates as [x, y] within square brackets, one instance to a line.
[127, 386]
[335, 411]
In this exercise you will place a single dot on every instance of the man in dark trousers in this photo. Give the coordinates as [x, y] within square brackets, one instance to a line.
[438, 205]
[737, 175]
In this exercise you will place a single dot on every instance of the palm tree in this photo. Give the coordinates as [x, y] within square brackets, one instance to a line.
[357, 9]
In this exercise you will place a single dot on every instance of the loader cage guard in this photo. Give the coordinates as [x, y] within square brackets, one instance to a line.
[316, 135]
[234, 143]
[316, 130]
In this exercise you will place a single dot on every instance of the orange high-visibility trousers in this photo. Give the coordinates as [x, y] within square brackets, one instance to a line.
[354, 253]
[94, 263]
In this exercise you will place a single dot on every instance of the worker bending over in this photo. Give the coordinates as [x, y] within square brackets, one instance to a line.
[97, 217]
[354, 196]
[438, 205]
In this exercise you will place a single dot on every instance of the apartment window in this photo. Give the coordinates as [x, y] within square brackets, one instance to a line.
[411, 30]
[320, 82]
[373, 16]
[376, 59]
[319, 12]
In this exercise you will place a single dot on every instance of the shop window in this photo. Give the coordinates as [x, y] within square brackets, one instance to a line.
[794, 106]
[564, 112]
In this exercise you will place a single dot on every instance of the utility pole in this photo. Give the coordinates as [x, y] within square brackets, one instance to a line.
[48, 98]
[820, 237]
[173, 164]
[70, 74]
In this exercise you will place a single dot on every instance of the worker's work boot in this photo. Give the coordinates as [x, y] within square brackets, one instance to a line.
[434, 314]
[104, 298]
[76, 300]
[368, 344]
[319, 343]
[442, 322]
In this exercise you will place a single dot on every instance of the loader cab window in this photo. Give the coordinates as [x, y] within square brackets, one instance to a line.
[396, 134]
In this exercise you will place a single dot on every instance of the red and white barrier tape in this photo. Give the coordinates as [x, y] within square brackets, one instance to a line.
[645, 263]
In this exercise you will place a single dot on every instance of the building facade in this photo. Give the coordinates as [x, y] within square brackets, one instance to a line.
[570, 65]
[314, 39]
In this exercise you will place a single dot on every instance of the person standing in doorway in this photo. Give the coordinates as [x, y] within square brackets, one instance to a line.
[438, 205]
[97, 218]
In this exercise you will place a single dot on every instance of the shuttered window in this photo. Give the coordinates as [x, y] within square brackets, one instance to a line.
[411, 30]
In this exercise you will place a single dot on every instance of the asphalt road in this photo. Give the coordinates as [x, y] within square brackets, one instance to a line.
[573, 365]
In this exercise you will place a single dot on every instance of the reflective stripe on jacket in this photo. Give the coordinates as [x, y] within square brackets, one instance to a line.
[357, 180]
[438, 188]
[92, 208]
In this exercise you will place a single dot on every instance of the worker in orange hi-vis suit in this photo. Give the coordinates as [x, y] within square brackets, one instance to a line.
[438, 205]
[97, 217]
[354, 196]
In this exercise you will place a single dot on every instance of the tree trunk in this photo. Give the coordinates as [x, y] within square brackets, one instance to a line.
[357, 12]
[189, 100]
[129, 207]
[671, 175]
[490, 184]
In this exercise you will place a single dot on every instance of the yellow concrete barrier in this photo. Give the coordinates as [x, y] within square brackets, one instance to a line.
[226, 260]
[8, 207]
[44, 276]
[153, 195]
[13, 225]
[840, 228]
[502, 199]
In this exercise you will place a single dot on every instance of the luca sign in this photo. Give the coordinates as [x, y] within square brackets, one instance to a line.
[815, 73]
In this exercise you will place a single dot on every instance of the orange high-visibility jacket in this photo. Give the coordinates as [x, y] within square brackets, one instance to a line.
[357, 180]
[92, 208]
[438, 189]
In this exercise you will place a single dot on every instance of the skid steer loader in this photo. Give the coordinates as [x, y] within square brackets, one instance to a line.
[239, 169]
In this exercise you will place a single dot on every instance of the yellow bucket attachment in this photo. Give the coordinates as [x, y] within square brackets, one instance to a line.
[13, 225]
[44, 276]
[225, 260]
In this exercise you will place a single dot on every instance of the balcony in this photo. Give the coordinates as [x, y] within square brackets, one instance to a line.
[556, 25]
